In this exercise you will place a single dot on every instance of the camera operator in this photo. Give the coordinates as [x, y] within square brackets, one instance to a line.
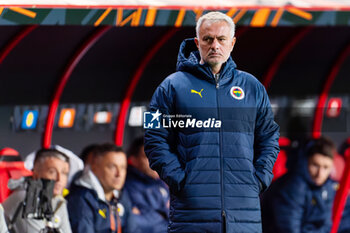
[48, 164]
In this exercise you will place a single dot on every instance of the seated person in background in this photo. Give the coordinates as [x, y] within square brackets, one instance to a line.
[93, 203]
[302, 200]
[75, 163]
[86, 156]
[48, 164]
[149, 195]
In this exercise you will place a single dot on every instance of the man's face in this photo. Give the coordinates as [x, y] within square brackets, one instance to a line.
[53, 168]
[110, 170]
[320, 167]
[142, 164]
[214, 43]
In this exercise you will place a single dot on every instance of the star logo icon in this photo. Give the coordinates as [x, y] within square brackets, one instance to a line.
[151, 120]
[156, 115]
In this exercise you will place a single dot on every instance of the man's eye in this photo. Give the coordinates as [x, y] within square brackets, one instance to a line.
[52, 171]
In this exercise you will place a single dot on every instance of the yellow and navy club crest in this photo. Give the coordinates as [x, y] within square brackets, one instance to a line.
[237, 92]
[120, 209]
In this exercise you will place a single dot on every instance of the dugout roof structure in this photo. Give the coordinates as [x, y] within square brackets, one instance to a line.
[118, 51]
[59, 51]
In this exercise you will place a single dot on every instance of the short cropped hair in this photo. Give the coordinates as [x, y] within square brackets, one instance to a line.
[135, 147]
[102, 149]
[216, 16]
[322, 145]
[43, 154]
[89, 149]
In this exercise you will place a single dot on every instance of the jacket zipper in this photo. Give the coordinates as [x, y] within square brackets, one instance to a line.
[216, 77]
[223, 213]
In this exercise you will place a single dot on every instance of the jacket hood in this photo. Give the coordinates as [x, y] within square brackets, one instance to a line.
[90, 181]
[188, 60]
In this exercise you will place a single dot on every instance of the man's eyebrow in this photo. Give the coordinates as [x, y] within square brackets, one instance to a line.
[208, 36]
[222, 37]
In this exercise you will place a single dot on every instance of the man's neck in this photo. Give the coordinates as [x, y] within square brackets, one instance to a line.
[109, 195]
[216, 69]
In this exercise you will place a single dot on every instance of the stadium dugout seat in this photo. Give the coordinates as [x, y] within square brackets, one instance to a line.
[11, 167]
[280, 167]
[338, 169]
[339, 160]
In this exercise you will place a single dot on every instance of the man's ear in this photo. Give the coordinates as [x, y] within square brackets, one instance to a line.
[94, 163]
[233, 42]
[135, 161]
[196, 41]
[131, 160]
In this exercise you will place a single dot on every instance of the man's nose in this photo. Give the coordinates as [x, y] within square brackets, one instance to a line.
[58, 176]
[318, 172]
[117, 172]
[215, 44]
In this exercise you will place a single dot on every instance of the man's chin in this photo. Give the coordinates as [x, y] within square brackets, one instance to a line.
[319, 182]
[214, 62]
[118, 187]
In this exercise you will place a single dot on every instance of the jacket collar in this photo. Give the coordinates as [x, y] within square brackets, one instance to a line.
[188, 60]
[90, 181]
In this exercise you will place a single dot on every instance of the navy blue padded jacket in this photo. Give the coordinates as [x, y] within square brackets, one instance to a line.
[151, 197]
[215, 175]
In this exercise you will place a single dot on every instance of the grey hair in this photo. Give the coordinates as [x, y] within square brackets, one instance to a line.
[216, 16]
[43, 154]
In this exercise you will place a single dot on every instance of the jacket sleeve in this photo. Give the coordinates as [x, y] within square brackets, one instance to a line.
[288, 207]
[63, 213]
[3, 227]
[266, 137]
[81, 215]
[128, 219]
[160, 146]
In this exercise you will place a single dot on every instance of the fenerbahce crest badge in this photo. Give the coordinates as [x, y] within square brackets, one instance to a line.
[237, 93]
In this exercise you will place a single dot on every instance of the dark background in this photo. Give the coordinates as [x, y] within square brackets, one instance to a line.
[30, 73]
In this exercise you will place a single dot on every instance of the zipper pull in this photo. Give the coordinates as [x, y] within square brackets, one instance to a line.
[216, 77]
[224, 221]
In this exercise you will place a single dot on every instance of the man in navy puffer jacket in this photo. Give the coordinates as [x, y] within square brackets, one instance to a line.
[218, 141]
[301, 201]
[94, 202]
